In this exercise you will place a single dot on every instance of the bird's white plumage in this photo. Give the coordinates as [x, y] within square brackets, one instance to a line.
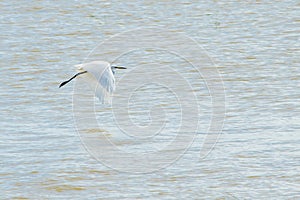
[99, 77]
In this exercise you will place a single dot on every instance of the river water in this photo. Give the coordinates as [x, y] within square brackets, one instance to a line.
[255, 47]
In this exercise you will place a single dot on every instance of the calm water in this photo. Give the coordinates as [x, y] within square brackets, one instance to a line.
[256, 47]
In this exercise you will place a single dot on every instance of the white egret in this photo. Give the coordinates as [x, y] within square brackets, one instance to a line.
[99, 75]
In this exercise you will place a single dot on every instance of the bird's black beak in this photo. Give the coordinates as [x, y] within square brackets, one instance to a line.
[118, 67]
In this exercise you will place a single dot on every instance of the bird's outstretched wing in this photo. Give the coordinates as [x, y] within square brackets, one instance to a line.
[107, 80]
[100, 78]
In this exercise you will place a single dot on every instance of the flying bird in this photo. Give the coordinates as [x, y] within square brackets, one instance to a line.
[99, 75]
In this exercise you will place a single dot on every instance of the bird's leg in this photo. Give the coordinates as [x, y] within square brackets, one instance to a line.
[65, 82]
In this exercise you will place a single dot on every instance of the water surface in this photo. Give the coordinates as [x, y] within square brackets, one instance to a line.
[256, 48]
